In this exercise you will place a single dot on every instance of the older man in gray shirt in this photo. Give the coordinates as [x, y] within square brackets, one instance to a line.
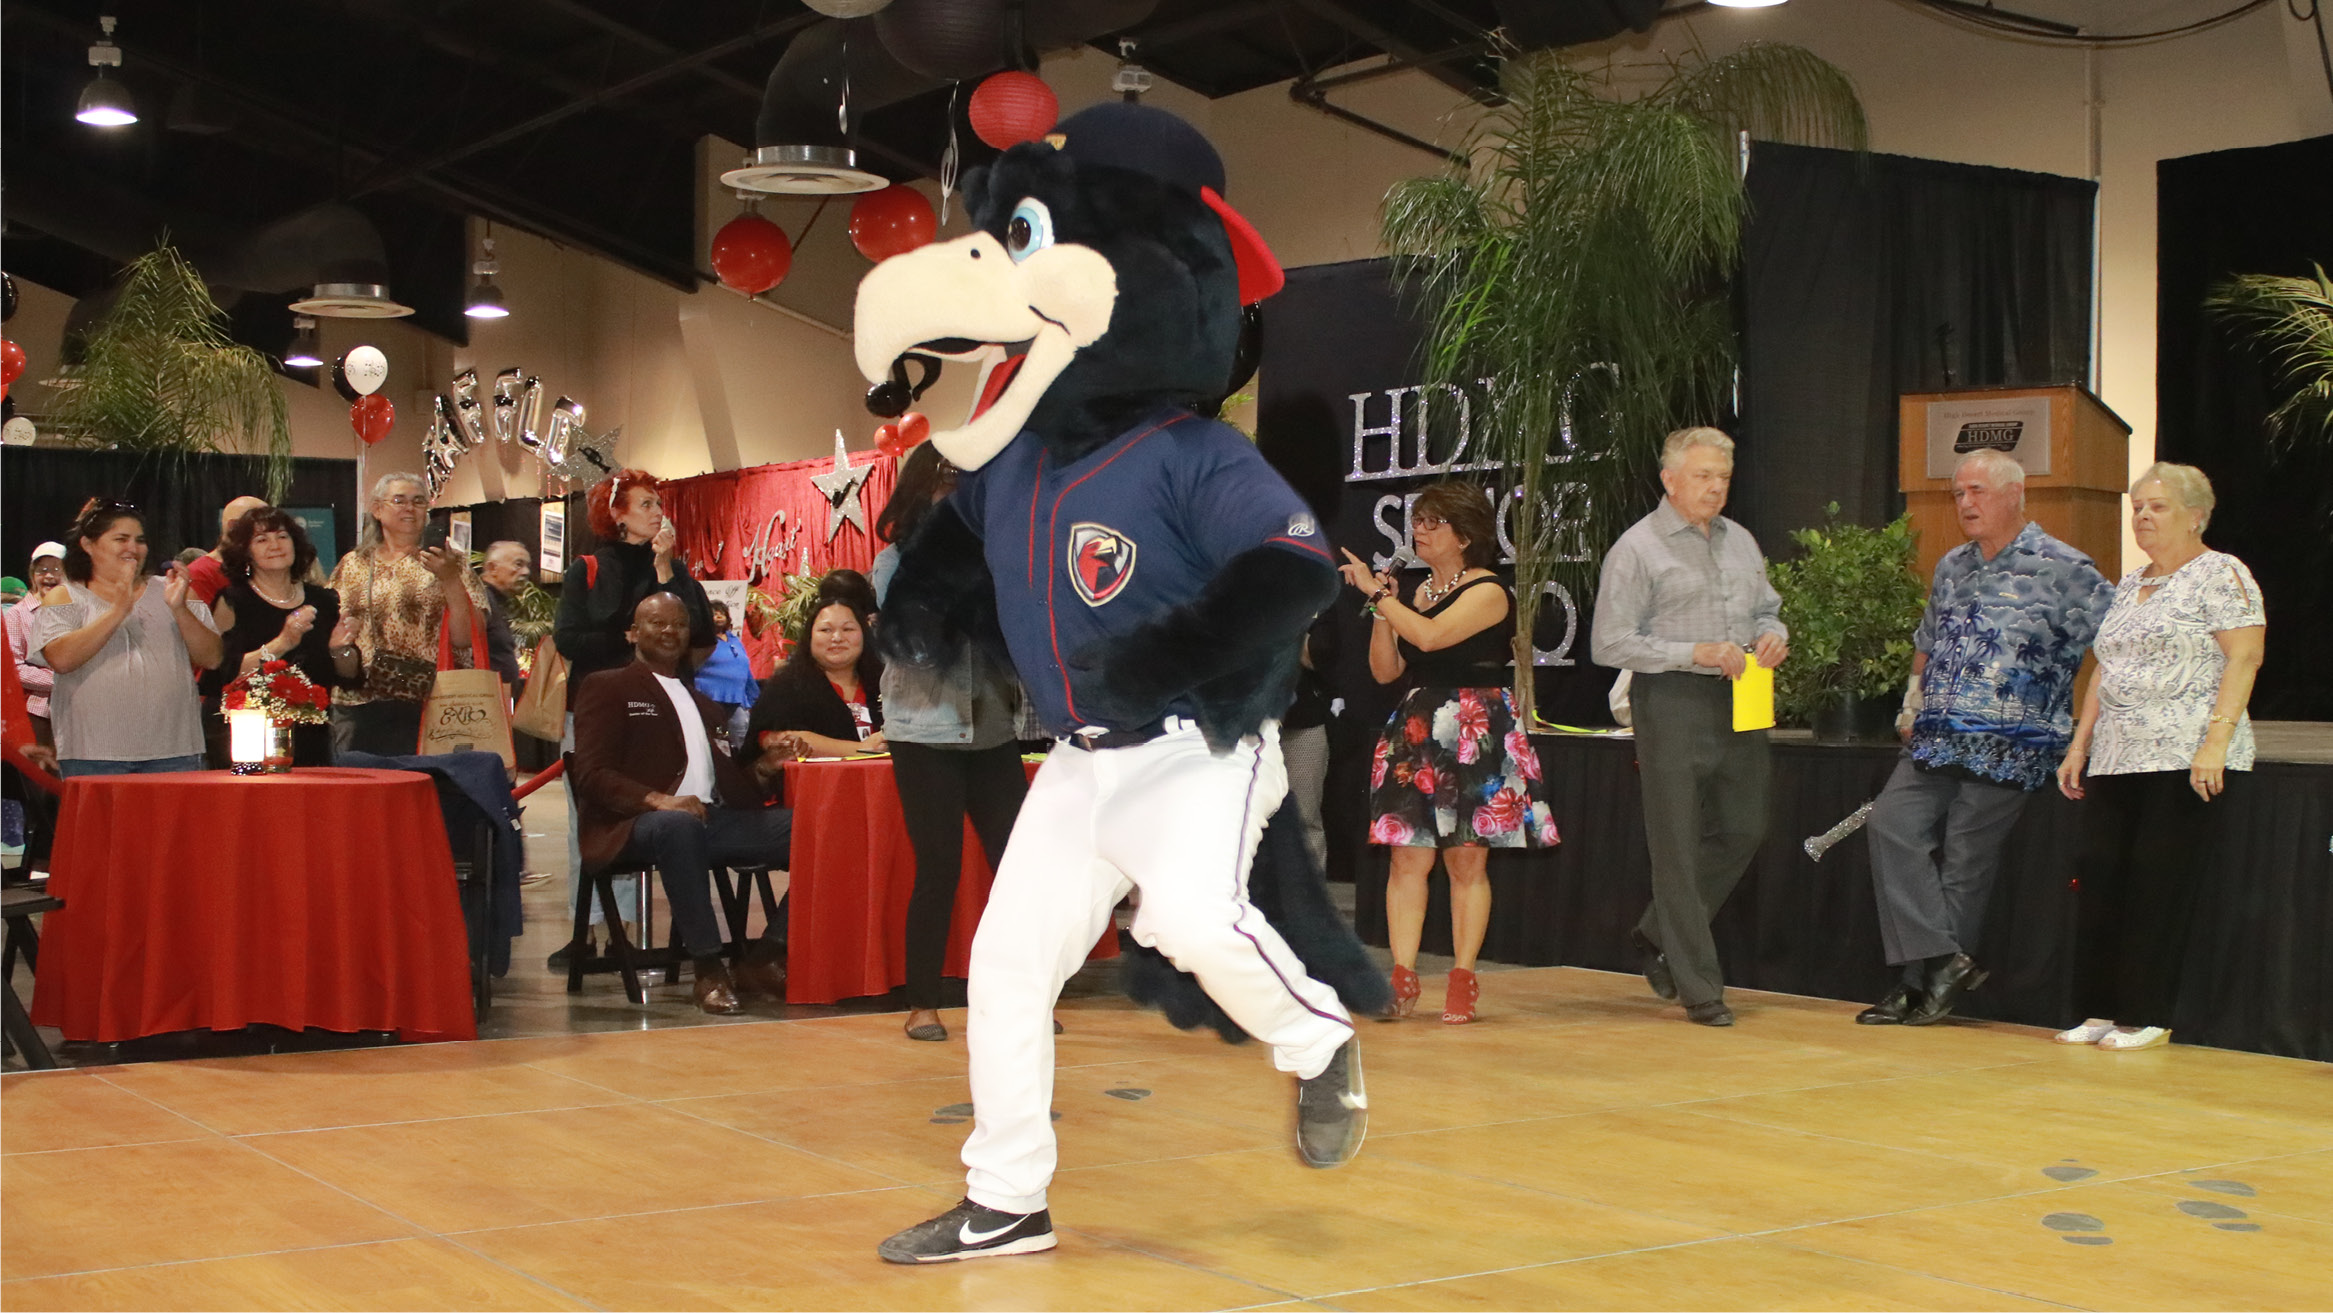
[1685, 604]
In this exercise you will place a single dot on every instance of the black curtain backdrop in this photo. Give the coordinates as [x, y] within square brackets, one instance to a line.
[1867, 277]
[42, 488]
[2267, 210]
[2257, 975]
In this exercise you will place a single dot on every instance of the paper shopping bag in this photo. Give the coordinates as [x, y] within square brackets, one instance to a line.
[467, 711]
[542, 708]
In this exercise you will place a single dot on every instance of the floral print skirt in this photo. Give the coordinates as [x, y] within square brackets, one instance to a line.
[1455, 770]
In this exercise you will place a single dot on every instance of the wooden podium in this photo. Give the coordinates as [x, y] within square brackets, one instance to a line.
[2075, 451]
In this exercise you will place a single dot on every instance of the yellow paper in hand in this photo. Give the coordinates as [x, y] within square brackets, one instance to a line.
[1754, 698]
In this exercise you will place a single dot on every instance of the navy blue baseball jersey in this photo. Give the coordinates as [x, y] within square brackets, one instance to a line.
[1092, 549]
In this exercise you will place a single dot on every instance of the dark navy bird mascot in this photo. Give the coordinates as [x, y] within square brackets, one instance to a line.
[1149, 577]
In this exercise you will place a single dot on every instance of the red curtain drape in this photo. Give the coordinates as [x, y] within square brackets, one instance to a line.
[767, 522]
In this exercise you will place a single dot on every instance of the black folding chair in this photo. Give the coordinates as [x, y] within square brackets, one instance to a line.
[20, 904]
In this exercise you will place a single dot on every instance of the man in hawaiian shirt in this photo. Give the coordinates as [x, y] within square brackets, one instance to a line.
[2010, 613]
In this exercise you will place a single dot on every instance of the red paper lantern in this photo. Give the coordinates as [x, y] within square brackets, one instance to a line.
[1013, 107]
[11, 362]
[752, 254]
[372, 416]
[892, 221]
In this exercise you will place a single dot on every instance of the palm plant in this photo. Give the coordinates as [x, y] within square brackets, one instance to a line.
[2293, 319]
[1577, 268]
[158, 373]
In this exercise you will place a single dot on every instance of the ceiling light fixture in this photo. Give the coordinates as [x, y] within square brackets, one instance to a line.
[307, 349]
[106, 103]
[1746, 4]
[485, 300]
[352, 289]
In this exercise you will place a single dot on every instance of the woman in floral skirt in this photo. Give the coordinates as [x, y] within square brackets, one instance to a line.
[1455, 772]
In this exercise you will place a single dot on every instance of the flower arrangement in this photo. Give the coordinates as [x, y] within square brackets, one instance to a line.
[278, 689]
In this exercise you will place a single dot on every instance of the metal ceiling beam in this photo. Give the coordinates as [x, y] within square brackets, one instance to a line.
[1173, 33]
[291, 131]
[681, 60]
[683, 63]
[1342, 15]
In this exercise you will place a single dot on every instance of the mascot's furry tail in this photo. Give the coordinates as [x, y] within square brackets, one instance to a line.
[1291, 890]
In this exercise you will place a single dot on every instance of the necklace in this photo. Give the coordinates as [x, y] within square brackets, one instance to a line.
[299, 594]
[1432, 595]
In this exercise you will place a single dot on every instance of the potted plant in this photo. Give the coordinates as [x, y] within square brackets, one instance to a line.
[1851, 602]
[1574, 264]
[158, 373]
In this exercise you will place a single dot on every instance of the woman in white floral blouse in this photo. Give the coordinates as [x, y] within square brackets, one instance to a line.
[2162, 727]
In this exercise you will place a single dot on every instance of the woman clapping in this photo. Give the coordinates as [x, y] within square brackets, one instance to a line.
[121, 642]
[267, 613]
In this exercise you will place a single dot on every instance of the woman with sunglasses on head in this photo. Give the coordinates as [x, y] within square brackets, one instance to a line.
[396, 595]
[1455, 772]
[121, 641]
[267, 612]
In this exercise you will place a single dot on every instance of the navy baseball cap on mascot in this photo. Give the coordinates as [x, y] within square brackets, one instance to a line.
[1106, 266]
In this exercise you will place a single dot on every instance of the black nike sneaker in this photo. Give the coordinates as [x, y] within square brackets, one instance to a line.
[1332, 1111]
[970, 1230]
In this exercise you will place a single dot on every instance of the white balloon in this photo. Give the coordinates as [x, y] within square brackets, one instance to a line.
[365, 368]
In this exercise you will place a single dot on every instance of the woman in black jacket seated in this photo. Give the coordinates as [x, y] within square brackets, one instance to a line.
[826, 700]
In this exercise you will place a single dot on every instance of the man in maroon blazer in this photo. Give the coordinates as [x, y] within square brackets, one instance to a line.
[653, 785]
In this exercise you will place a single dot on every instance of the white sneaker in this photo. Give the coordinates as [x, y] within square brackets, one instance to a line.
[2089, 1032]
[2146, 1037]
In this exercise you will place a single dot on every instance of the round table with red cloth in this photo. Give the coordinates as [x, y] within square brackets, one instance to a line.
[852, 870]
[319, 898]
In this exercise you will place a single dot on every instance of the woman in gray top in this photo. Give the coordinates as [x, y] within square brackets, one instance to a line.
[124, 645]
[953, 754]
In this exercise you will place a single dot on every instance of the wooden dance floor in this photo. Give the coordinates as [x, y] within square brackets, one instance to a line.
[1581, 1147]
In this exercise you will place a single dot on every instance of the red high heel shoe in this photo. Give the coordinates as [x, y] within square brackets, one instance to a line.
[1405, 991]
[1458, 1002]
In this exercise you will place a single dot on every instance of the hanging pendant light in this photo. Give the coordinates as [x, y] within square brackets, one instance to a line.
[306, 350]
[485, 300]
[105, 102]
[352, 289]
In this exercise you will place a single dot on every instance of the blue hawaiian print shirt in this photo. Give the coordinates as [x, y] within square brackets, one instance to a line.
[2004, 638]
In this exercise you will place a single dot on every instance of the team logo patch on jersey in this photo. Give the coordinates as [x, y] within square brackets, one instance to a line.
[1101, 560]
[1301, 525]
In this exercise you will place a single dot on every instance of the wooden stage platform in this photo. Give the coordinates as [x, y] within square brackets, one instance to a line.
[1580, 1148]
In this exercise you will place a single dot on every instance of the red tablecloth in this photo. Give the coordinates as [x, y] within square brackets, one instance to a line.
[852, 871]
[320, 898]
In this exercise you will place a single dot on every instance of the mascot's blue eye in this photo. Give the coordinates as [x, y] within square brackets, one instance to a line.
[1030, 230]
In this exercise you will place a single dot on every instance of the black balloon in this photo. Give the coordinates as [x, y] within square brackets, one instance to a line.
[953, 40]
[7, 297]
[340, 383]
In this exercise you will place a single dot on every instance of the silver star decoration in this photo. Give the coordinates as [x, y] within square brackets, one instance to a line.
[588, 459]
[841, 488]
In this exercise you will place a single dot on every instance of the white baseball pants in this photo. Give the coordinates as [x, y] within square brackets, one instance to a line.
[1179, 823]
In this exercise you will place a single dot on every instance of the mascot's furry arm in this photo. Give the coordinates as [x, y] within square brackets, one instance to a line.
[1233, 647]
[941, 607]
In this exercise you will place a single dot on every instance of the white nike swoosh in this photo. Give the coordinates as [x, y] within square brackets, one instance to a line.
[969, 1236]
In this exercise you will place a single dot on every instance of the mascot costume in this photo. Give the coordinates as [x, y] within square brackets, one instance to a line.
[1149, 578]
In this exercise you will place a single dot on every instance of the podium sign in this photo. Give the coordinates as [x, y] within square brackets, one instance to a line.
[2076, 455]
[2017, 427]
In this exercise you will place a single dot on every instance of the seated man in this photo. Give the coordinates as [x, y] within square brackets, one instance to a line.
[651, 786]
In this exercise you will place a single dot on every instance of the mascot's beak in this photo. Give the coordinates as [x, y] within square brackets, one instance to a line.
[959, 299]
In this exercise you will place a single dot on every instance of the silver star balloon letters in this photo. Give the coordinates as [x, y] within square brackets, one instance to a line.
[841, 487]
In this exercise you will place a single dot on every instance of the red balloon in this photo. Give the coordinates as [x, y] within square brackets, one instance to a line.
[752, 254]
[888, 442]
[11, 362]
[913, 428]
[372, 416]
[892, 221]
[1011, 108]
